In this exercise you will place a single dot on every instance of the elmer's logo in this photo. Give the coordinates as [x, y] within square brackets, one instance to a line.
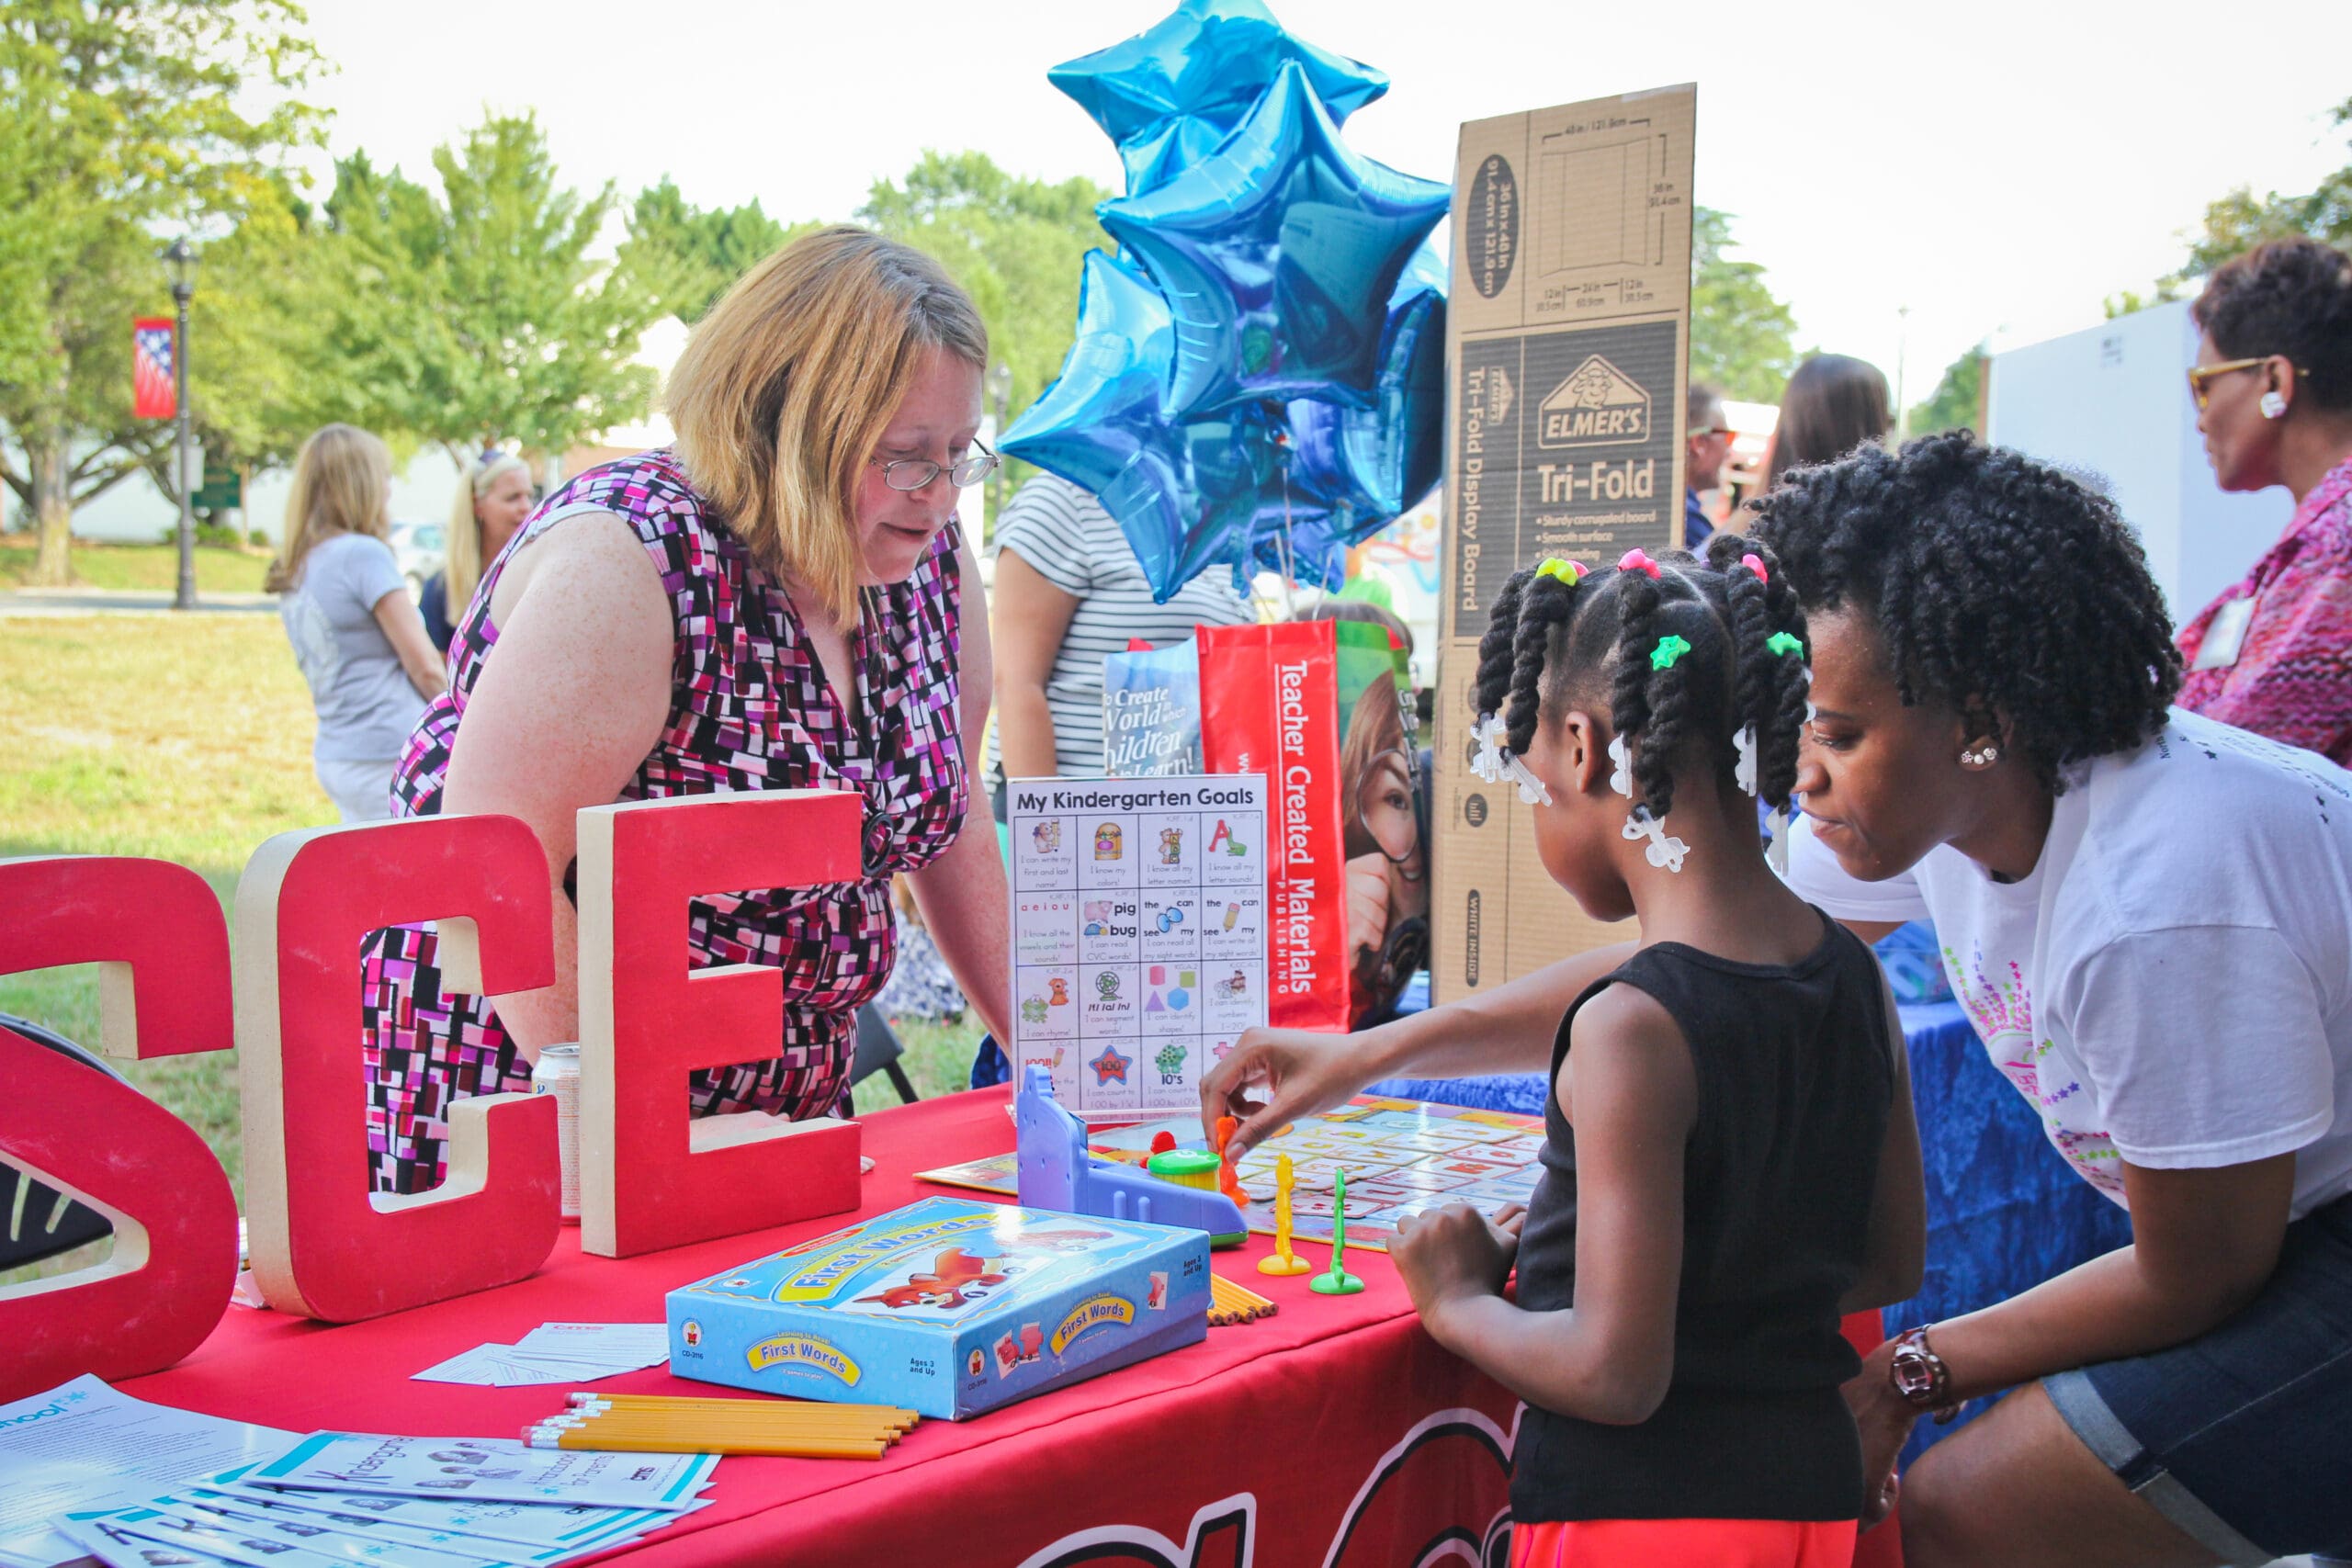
[803, 1351]
[1599, 405]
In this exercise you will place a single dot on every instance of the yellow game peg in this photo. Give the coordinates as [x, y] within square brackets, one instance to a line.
[1283, 1261]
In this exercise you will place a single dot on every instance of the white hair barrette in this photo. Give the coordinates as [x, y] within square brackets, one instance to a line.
[1495, 763]
[1664, 849]
[1744, 774]
[1621, 778]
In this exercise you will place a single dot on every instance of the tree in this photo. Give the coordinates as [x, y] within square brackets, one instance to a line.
[2239, 221]
[123, 123]
[687, 256]
[475, 316]
[1742, 339]
[1015, 245]
[1957, 404]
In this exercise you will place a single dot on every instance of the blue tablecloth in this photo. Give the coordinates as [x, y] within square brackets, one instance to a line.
[2003, 1212]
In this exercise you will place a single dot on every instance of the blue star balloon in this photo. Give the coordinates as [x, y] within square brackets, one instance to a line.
[1277, 255]
[1369, 465]
[1155, 157]
[1183, 494]
[1210, 58]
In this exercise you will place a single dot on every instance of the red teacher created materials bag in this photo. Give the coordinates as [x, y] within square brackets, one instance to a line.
[1270, 703]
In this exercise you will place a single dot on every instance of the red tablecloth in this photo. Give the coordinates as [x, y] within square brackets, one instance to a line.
[1334, 1433]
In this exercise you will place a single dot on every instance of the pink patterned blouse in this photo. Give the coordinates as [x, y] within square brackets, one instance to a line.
[2292, 679]
[751, 708]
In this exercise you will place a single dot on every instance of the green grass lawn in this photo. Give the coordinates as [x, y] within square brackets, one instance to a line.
[188, 738]
[117, 567]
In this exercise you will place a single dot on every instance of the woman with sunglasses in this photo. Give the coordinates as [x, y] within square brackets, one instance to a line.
[777, 602]
[2273, 386]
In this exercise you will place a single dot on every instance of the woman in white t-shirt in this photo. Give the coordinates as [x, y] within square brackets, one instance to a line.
[2149, 916]
[358, 639]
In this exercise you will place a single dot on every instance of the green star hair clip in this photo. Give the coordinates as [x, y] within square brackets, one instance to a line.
[1668, 650]
[1568, 572]
[1785, 642]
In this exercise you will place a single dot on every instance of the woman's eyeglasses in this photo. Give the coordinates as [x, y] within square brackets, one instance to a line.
[2202, 377]
[913, 473]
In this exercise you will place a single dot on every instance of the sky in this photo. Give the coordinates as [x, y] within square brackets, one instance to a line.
[1998, 168]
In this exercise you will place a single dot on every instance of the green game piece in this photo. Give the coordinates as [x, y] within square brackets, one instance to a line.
[1339, 1281]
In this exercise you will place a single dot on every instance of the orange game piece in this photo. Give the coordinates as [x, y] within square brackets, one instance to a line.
[1227, 1182]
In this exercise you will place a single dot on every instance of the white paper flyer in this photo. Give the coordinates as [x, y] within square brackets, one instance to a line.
[496, 1469]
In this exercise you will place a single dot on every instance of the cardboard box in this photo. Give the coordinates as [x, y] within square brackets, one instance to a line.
[1568, 344]
[947, 1306]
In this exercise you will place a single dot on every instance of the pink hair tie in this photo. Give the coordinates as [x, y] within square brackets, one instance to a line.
[1638, 560]
[1756, 565]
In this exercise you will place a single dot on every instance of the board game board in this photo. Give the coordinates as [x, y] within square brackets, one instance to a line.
[1401, 1157]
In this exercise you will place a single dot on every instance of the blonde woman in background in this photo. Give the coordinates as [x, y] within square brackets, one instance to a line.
[493, 497]
[359, 642]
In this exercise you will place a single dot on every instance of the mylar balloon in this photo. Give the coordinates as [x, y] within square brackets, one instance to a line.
[1155, 157]
[1277, 254]
[1182, 494]
[1210, 58]
[1369, 465]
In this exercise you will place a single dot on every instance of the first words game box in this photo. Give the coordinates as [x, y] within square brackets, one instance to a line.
[948, 1307]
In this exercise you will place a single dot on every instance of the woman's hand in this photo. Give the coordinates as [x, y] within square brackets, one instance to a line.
[1885, 1418]
[1300, 1073]
[1450, 1255]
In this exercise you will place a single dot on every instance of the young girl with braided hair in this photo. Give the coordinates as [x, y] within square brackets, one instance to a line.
[1731, 1163]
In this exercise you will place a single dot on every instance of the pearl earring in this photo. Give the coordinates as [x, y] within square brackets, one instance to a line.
[1981, 758]
[2272, 405]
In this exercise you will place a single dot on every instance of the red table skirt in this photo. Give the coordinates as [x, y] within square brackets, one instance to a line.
[1335, 1433]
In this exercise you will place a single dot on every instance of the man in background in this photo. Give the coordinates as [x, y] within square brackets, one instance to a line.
[1706, 443]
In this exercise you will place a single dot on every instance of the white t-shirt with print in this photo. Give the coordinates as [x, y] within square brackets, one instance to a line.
[2171, 985]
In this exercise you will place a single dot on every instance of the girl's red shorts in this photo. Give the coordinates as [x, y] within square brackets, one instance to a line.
[1685, 1543]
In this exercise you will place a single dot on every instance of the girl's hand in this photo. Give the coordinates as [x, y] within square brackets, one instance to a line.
[1274, 1077]
[1450, 1255]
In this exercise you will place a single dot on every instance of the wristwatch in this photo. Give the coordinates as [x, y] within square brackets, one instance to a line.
[1919, 1375]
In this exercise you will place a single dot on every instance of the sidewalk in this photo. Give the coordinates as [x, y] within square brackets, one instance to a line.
[123, 602]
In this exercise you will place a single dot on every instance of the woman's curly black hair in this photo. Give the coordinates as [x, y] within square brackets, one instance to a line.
[2000, 585]
[1547, 642]
[2290, 297]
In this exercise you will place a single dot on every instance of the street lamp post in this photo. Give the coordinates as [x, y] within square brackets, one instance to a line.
[181, 261]
[1000, 379]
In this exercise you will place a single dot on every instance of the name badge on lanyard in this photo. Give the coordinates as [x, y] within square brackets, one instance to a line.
[2224, 636]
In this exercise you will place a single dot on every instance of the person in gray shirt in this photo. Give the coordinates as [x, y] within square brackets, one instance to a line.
[358, 639]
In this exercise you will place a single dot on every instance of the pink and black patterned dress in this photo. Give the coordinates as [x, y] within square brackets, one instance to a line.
[751, 708]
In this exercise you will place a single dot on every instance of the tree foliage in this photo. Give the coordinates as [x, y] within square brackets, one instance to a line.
[476, 315]
[1958, 400]
[1743, 340]
[2239, 220]
[123, 124]
[686, 256]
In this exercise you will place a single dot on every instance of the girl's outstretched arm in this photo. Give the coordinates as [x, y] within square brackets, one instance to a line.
[1630, 1088]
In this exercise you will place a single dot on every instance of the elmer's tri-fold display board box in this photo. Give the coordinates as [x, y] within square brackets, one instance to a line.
[1567, 345]
[948, 1307]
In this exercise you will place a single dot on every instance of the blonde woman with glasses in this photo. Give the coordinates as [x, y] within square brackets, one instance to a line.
[345, 608]
[493, 497]
[777, 602]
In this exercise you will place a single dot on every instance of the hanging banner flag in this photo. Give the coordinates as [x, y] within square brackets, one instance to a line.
[152, 395]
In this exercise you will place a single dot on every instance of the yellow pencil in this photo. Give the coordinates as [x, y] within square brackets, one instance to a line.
[822, 1416]
[677, 1421]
